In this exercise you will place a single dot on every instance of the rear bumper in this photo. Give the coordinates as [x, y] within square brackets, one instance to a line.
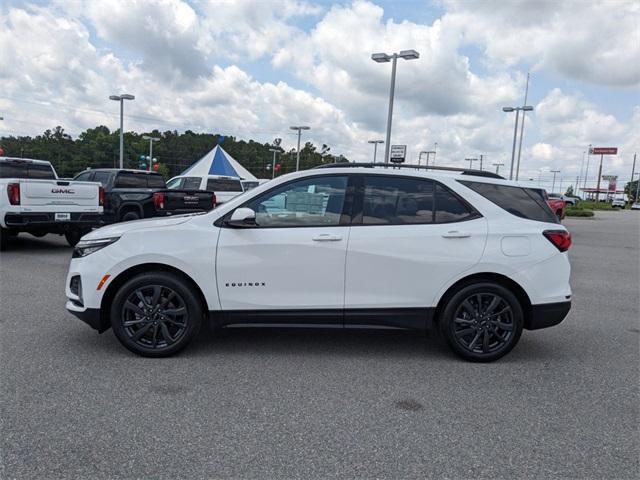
[90, 316]
[47, 221]
[547, 315]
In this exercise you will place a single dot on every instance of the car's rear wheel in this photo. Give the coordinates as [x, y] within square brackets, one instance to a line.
[482, 322]
[155, 314]
[130, 216]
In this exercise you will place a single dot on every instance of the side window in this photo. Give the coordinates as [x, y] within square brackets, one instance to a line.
[84, 177]
[310, 202]
[155, 181]
[131, 180]
[392, 200]
[102, 177]
[191, 183]
[175, 183]
[449, 208]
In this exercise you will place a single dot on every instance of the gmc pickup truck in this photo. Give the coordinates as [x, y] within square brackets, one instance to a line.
[224, 187]
[34, 200]
[135, 194]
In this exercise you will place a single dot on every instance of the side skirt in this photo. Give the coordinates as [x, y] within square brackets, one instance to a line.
[402, 318]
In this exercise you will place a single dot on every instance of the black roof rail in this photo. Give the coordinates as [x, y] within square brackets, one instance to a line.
[464, 171]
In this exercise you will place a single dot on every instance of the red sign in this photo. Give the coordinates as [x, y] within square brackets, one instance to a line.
[604, 151]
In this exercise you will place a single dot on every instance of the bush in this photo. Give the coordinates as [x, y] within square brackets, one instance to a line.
[596, 205]
[579, 212]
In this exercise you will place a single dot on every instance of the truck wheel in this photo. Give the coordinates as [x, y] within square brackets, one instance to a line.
[73, 236]
[4, 239]
[482, 322]
[129, 216]
[155, 314]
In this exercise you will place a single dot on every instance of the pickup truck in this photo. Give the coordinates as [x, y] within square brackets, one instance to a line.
[134, 194]
[34, 200]
[224, 187]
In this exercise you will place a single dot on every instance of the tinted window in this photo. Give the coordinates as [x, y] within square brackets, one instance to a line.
[396, 200]
[26, 170]
[521, 202]
[450, 208]
[308, 202]
[102, 177]
[191, 183]
[174, 183]
[224, 185]
[84, 177]
[155, 181]
[131, 180]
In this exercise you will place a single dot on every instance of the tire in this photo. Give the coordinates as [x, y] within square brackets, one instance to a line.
[73, 236]
[465, 327]
[142, 323]
[38, 234]
[129, 216]
[4, 239]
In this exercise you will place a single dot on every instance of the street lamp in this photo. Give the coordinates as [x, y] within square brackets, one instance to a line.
[385, 58]
[273, 165]
[471, 160]
[498, 165]
[375, 148]
[525, 108]
[121, 99]
[299, 129]
[151, 140]
[553, 186]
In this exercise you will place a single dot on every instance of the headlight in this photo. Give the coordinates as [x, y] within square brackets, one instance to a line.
[87, 247]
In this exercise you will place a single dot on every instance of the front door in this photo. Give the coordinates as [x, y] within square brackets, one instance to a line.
[289, 268]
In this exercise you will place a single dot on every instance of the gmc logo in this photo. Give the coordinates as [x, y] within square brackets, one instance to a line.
[68, 191]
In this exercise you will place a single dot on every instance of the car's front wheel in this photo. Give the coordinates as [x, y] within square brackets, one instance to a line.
[482, 322]
[155, 314]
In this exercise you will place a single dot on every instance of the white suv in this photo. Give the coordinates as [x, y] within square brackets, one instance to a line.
[479, 257]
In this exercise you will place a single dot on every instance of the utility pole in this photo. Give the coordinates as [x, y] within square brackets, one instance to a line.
[471, 160]
[498, 165]
[586, 172]
[273, 165]
[481, 162]
[553, 187]
[526, 93]
[633, 172]
[599, 177]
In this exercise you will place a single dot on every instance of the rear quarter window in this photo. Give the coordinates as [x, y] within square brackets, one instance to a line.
[155, 181]
[224, 185]
[26, 170]
[519, 201]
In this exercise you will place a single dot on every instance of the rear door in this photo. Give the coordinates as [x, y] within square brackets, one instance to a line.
[409, 237]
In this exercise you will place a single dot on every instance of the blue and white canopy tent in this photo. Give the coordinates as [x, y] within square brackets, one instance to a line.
[219, 162]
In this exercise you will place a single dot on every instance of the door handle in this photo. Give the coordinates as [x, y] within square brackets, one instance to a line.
[327, 237]
[456, 234]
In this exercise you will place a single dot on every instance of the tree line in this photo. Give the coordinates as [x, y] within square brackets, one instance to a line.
[99, 148]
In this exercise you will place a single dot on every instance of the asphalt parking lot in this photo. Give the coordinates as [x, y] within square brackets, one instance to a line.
[330, 404]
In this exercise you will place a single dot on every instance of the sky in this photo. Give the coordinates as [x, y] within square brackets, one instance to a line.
[252, 69]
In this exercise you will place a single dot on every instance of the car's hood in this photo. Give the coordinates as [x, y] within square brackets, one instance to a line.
[119, 229]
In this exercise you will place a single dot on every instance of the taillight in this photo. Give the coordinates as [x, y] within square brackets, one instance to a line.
[560, 238]
[213, 201]
[101, 196]
[158, 200]
[13, 190]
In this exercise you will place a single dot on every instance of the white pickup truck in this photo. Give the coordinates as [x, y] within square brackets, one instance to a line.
[34, 200]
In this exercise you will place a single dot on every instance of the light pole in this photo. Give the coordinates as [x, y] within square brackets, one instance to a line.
[498, 165]
[299, 129]
[151, 140]
[435, 149]
[471, 160]
[526, 94]
[525, 108]
[553, 186]
[273, 165]
[586, 172]
[121, 98]
[384, 58]
[375, 148]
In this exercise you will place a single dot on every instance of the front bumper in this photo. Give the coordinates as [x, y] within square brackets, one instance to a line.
[90, 316]
[46, 221]
[547, 315]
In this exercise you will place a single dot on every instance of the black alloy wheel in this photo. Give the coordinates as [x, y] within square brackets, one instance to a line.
[155, 314]
[482, 322]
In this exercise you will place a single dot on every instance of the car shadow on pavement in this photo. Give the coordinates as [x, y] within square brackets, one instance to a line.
[25, 242]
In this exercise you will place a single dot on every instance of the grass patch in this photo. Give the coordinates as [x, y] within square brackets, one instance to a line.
[595, 205]
[579, 212]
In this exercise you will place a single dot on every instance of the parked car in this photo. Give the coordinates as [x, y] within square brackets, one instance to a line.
[635, 206]
[568, 200]
[479, 258]
[135, 194]
[34, 200]
[618, 203]
[225, 188]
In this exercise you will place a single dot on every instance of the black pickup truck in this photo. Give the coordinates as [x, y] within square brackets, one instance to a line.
[134, 194]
